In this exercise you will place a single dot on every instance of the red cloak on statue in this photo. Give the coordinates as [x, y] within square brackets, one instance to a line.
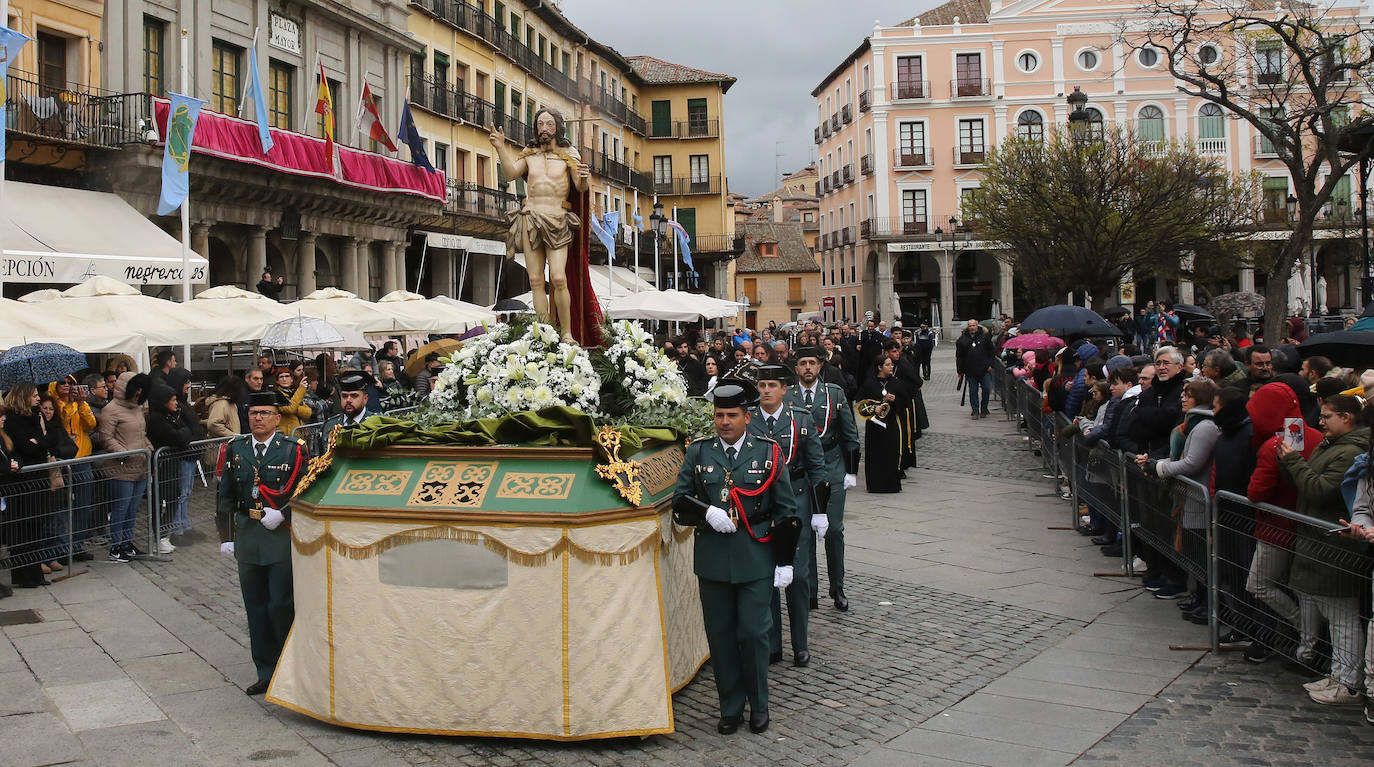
[586, 311]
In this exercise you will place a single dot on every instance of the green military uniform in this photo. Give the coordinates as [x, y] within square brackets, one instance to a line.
[735, 572]
[251, 482]
[341, 419]
[834, 423]
[805, 461]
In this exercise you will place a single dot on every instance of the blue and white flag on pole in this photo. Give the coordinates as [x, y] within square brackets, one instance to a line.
[11, 43]
[604, 228]
[683, 242]
[176, 152]
[407, 132]
[259, 100]
[638, 219]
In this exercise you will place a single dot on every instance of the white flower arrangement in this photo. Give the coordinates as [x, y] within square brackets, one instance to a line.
[652, 387]
[494, 374]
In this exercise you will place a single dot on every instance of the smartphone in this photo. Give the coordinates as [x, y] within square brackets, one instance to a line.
[84, 390]
[1293, 433]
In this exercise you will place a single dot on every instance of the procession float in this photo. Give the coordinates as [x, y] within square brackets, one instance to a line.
[504, 562]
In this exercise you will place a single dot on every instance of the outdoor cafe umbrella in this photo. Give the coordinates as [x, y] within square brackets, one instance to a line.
[1347, 348]
[1066, 320]
[39, 363]
[1241, 304]
[1033, 341]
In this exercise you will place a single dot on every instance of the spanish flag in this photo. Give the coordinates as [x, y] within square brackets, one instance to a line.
[324, 106]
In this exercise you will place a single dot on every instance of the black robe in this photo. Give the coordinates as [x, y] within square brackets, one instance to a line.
[883, 444]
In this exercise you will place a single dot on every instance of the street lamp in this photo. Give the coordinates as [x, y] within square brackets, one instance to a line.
[1292, 204]
[954, 242]
[659, 224]
[1078, 116]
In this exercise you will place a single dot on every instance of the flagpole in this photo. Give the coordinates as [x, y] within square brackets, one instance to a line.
[677, 267]
[4, 140]
[186, 203]
[635, 238]
[253, 51]
[610, 253]
[658, 284]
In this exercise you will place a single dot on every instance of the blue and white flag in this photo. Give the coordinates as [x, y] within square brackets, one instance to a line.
[604, 228]
[259, 100]
[638, 219]
[11, 43]
[408, 133]
[683, 243]
[176, 151]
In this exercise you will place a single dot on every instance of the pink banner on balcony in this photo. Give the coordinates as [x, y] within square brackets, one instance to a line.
[230, 138]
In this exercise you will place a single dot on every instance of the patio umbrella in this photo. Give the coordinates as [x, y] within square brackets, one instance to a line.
[39, 363]
[416, 362]
[1067, 320]
[1033, 341]
[310, 333]
[1241, 304]
[1347, 348]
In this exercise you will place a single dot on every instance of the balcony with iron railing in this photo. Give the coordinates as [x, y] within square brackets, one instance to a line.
[969, 156]
[718, 243]
[75, 113]
[966, 87]
[847, 235]
[823, 186]
[911, 157]
[865, 100]
[866, 164]
[1264, 147]
[611, 105]
[847, 174]
[847, 114]
[451, 102]
[825, 241]
[700, 128]
[473, 20]
[905, 90]
[894, 227]
[687, 185]
[835, 179]
[835, 121]
[817, 134]
[469, 197]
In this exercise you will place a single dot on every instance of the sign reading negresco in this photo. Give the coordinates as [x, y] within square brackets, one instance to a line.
[70, 270]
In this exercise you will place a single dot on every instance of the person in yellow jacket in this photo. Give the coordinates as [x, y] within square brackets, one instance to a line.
[79, 421]
[294, 412]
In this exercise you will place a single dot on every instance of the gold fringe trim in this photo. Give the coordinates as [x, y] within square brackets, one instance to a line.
[650, 544]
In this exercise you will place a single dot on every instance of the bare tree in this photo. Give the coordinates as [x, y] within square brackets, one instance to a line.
[1077, 212]
[1291, 70]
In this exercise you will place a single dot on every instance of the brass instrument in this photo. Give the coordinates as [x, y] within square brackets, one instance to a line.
[874, 410]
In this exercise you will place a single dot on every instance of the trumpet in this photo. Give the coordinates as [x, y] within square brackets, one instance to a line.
[874, 410]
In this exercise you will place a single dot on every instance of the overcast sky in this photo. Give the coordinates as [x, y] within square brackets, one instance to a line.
[778, 50]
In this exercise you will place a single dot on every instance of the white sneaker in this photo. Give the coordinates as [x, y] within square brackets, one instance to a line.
[1336, 695]
[164, 546]
[1139, 565]
[1085, 520]
[1325, 683]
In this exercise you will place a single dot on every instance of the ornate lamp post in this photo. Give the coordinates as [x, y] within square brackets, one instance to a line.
[1078, 116]
[659, 224]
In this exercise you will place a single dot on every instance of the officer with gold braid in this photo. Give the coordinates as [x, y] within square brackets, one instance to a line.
[734, 488]
[261, 471]
[792, 429]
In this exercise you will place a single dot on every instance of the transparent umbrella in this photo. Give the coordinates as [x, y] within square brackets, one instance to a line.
[311, 333]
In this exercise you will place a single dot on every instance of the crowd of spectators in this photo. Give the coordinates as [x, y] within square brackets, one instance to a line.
[1233, 415]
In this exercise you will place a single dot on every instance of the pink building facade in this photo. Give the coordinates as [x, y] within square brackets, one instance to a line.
[905, 120]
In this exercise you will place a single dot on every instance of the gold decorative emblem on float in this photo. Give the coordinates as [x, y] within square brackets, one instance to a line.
[369, 482]
[453, 484]
[660, 470]
[319, 464]
[623, 475]
[536, 487]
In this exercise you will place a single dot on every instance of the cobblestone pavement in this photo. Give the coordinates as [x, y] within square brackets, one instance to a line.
[1228, 712]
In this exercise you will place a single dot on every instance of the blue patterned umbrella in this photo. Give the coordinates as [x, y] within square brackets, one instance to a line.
[39, 364]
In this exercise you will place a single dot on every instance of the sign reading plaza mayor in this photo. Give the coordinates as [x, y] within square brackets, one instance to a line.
[28, 266]
[284, 33]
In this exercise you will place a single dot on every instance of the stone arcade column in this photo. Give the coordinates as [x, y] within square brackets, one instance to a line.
[1005, 286]
[305, 264]
[946, 262]
[348, 264]
[388, 267]
[1247, 279]
[257, 255]
[398, 257]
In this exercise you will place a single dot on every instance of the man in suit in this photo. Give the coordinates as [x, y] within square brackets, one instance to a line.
[833, 420]
[746, 503]
[792, 429]
[261, 471]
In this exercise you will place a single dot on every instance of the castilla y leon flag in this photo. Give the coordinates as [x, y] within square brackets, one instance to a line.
[324, 107]
[176, 151]
[11, 43]
[370, 121]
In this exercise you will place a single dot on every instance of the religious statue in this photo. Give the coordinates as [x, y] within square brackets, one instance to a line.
[549, 229]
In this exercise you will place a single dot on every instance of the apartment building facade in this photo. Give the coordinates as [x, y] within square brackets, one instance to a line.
[906, 119]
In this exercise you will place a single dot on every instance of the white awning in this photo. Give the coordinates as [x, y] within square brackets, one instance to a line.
[464, 242]
[67, 236]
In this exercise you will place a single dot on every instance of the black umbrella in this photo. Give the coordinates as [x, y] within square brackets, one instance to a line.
[1347, 348]
[510, 305]
[1117, 311]
[1190, 312]
[1368, 310]
[1066, 320]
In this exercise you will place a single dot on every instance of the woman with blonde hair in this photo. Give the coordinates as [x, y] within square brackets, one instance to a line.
[294, 411]
[27, 499]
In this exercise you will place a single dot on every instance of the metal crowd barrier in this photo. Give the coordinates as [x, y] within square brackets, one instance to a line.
[184, 478]
[55, 511]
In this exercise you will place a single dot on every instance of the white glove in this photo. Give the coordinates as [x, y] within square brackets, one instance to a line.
[851, 481]
[821, 524]
[227, 548]
[719, 520]
[272, 519]
[782, 576]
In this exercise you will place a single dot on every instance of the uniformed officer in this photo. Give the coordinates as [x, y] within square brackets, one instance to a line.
[261, 470]
[353, 392]
[801, 451]
[743, 552]
[834, 423]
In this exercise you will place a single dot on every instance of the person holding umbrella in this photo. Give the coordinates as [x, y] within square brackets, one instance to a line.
[31, 500]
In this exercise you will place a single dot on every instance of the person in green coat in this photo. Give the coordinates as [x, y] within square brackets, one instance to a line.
[261, 471]
[790, 426]
[839, 437]
[1326, 588]
[745, 495]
